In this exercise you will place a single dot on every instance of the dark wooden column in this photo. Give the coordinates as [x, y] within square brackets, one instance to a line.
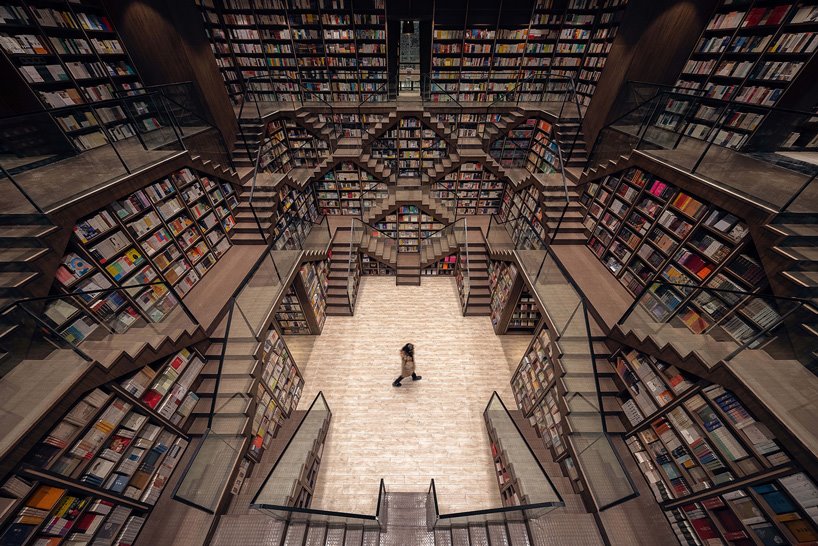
[654, 41]
[167, 42]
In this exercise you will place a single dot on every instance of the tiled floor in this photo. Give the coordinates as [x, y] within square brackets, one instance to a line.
[428, 429]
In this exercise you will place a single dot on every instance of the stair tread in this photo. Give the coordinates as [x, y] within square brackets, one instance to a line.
[807, 279]
[806, 253]
[804, 230]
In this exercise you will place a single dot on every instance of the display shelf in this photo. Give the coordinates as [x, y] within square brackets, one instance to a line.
[290, 315]
[282, 51]
[526, 315]
[749, 55]
[71, 57]
[512, 308]
[314, 276]
[408, 225]
[173, 230]
[535, 375]
[444, 266]
[471, 189]
[371, 266]
[482, 63]
[95, 476]
[524, 211]
[280, 385]
[349, 189]
[410, 148]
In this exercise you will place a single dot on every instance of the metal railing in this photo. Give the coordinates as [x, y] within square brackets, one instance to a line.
[727, 142]
[539, 494]
[103, 140]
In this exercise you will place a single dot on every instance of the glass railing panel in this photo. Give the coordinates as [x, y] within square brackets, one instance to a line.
[319, 237]
[533, 483]
[209, 471]
[15, 199]
[37, 368]
[293, 465]
[604, 471]
[805, 201]
[258, 295]
[320, 517]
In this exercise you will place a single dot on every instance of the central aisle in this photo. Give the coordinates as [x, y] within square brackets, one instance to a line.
[428, 429]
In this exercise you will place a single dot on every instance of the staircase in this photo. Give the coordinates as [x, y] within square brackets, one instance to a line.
[795, 244]
[571, 140]
[494, 130]
[338, 302]
[409, 191]
[564, 219]
[234, 402]
[24, 242]
[408, 269]
[477, 260]
[316, 125]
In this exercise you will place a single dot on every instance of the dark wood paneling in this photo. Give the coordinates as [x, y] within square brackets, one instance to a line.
[654, 41]
[167, 42]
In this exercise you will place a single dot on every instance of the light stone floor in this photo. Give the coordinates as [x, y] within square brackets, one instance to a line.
[433, 428]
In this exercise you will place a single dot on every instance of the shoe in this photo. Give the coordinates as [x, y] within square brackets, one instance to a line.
[396, 384]
[416, 378]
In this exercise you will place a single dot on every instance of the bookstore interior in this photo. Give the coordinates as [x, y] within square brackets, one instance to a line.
[226, 226]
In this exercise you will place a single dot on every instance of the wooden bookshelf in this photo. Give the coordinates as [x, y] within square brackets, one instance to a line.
[304, 307]
[690, 437]
[290, 315]
[408, 225]
[173, 230]
[299, 49]
[371, 266]
[410, 148]
[484, 63]
[644, 229]
[99, 471]
[526, 315]
[513, 310]
[444, 266]
[471, 189]
[531, 145]
[526, 213]
[749, 55]
[349, 189]
[280, 385]
[71, 57]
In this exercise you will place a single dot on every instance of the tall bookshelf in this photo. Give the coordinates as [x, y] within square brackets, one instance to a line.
[444, 266]
[483, 63]
[749, 55]
[96, 475]
[408, 225]
[644, 229]
[371, 266]
[311, 50]
[525, 213]
[279, 388]
[348, 189]
[471, 189]
[72, 58]
[532, 145]
[690, 437]
[303, 309]
[513, 309]
[173, 230]
[409, 148]
[295, 213]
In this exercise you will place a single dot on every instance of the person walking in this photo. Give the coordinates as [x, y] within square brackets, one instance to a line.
[407, 365]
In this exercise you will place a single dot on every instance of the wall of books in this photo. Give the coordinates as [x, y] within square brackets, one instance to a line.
[644, 229]
[349, 189]
[285, 50]
[483, 63]
[173, 231]
[531, 145]
[749, 55]
[277, 393]
[371, 266]
[525, 217]
[295, 212]
[71, 57]
[286, 146]
[690, 437]
[98, 472]
[444, 266]
[468, 125]
[471, 189]
[409, 148]
[408, 224]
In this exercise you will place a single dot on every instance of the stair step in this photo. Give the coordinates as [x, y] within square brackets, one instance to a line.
[808, 280]
[799, 253]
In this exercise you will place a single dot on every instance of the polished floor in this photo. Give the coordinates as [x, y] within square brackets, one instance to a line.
[433, 428]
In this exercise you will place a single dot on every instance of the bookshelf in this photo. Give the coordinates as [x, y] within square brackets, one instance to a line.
[525, 212]
[409, 148]
[280, 385]
[71, 57]
[471, 189]
[371, 266]
[294, 213]
[290, 314]
[513, 309]
[348, 189]
[408, 225]
[96, 475]
[296, 50]
[481, 63]
[531, 145]
[303, 309]
[444, 266]
[749, 55]
[173, 230]
[689, 437]
[645, 229]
